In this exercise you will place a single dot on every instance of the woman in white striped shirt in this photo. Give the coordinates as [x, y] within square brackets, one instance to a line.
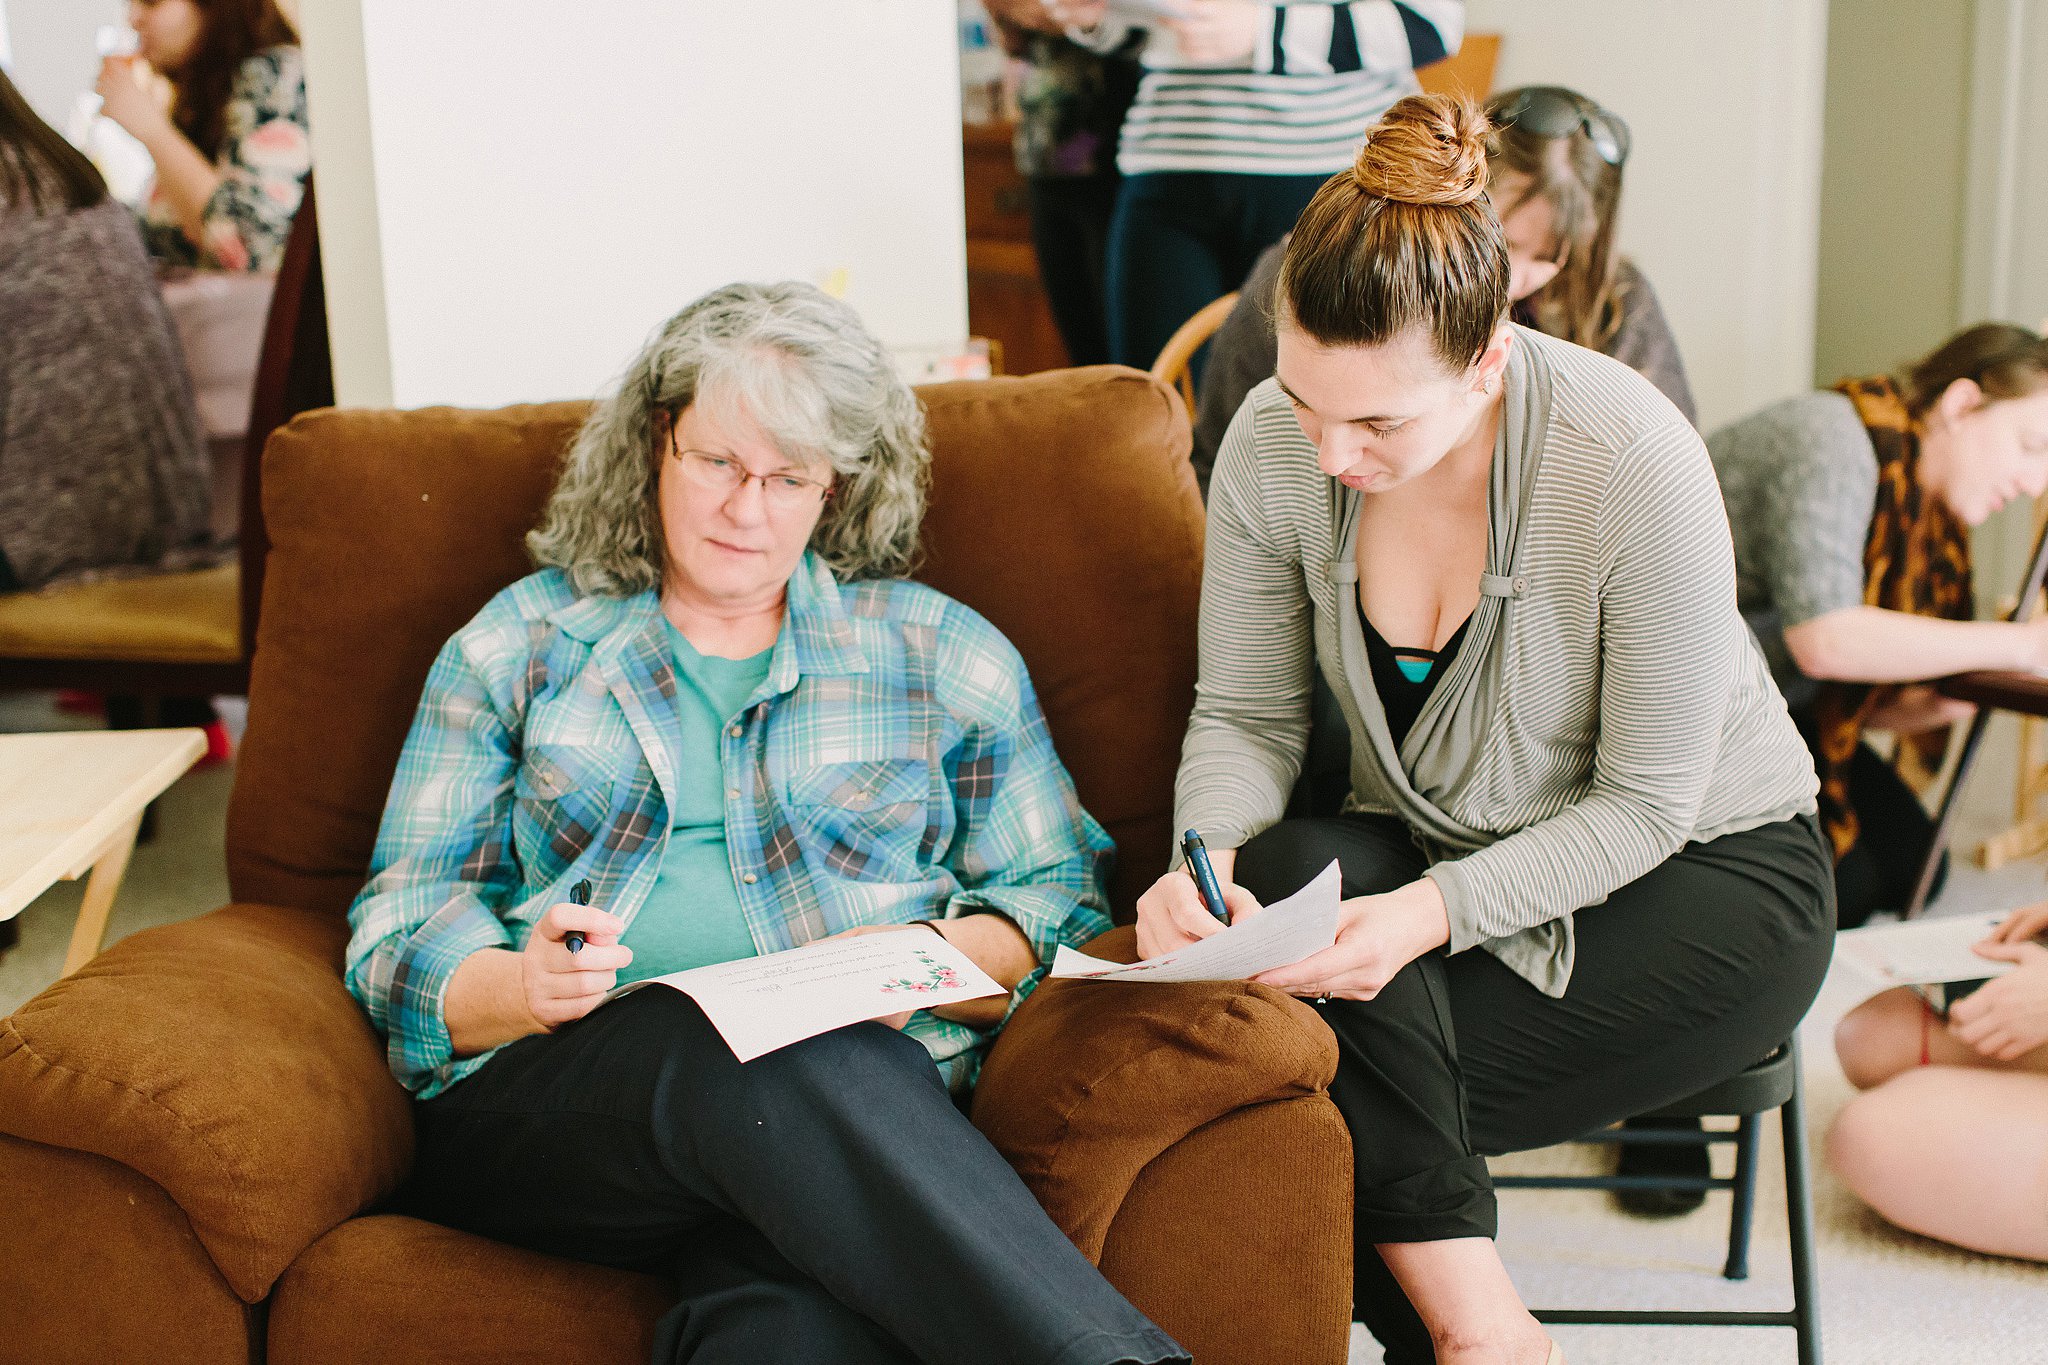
[1508, 557]
[1245, 108]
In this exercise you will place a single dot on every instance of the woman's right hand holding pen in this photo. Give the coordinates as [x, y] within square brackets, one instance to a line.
[560, 985]
[1171, 914]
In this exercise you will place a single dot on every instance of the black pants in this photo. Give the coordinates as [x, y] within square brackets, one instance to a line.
[1070, 233]
[1184, 238]
[1683, 977]
[825, 1203]
[1881, 869]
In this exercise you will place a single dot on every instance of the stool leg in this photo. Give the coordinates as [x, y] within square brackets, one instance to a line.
[1743, 1208]
[1799, 1219]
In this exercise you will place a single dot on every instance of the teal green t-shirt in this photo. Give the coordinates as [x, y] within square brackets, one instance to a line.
[693, 917]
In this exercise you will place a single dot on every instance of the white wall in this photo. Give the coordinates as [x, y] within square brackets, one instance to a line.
[513, 194]
[2004, 271]
[54, 58]
[1720, 206]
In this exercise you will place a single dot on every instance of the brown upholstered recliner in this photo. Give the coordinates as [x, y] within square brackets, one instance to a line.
[197, 1128]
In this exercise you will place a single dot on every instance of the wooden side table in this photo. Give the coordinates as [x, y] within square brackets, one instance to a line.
[70, 804]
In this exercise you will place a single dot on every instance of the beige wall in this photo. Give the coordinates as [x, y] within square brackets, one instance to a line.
[1724, 101]
[1893, 182]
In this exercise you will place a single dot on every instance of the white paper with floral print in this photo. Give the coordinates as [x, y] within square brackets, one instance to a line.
[759, 1004]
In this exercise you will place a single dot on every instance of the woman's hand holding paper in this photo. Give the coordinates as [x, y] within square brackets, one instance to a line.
[2007, 1017]
[1376, 937]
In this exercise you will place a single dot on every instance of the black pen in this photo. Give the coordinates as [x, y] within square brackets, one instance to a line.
[579, 894]
[1197, 854]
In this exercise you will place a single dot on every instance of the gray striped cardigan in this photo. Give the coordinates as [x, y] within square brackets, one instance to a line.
[1607, 705]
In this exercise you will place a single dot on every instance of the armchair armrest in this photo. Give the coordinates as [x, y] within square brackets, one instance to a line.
[1091, 1080]
[223, 1059]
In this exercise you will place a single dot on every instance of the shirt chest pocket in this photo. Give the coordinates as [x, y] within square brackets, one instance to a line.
[862, 813]
[561, 799]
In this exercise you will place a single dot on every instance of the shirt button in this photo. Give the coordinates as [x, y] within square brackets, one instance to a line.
[734, 732]
[749, 879]
[732, 793]
[857, 799]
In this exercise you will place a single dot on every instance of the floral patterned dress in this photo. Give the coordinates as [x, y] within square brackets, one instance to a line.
[263, 162]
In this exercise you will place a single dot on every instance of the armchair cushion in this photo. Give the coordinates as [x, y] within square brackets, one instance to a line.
[1092, 1080]
[223, 1059]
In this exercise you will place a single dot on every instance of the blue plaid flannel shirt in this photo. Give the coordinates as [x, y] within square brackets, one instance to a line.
[894, 766]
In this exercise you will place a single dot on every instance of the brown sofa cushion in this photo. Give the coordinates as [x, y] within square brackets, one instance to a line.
[1093, 1080]
[98, 1266]
[389, 1288]
[222, 1059]
[1062, 508]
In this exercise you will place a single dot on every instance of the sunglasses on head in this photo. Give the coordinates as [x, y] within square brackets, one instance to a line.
[1553, 111]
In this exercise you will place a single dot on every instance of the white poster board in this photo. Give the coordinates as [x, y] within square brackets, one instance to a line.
[514, 193]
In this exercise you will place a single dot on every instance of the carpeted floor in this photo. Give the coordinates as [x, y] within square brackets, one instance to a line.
[1887, 1298]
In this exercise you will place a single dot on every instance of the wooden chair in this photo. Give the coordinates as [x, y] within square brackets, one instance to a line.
[1467, 72]
[1175, 364]
[186, 634]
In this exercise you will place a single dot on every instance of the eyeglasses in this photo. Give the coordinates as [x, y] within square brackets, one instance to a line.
[723, 474]
[1553, 111]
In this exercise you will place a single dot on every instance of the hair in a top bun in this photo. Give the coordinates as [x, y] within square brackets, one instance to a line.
[1406, 238]
[1426, 150]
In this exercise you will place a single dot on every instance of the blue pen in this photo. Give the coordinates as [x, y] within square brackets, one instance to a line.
[1192, 849]
[579, 894]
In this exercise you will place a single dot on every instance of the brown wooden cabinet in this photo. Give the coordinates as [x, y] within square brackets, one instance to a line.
[1005, 301]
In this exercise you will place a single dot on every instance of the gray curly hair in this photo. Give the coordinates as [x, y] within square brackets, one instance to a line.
[801, 366]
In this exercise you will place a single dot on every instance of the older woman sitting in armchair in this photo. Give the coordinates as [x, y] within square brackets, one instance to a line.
[720, 704]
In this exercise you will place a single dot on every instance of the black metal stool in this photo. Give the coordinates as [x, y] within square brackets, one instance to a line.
[1773, 1083]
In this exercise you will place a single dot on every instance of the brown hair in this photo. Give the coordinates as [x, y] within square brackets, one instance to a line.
[1583, 190]
[39, 170]
[230, 32]
[1404, 238]
[2003, 360]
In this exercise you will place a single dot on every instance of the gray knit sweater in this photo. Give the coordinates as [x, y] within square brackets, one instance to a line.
[101, 461]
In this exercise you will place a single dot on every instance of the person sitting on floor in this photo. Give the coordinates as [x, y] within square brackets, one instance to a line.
[1949, 1138]
[721, 704]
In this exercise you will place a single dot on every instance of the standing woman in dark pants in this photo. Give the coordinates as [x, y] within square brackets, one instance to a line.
[1072, 102]
[1507, 556]
[1851, 509]
[1244, 109]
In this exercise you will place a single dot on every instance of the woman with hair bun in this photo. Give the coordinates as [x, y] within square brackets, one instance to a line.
[1507, 556]
[1554, 175]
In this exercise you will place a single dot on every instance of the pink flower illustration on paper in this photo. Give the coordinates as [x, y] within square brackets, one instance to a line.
[938, 977]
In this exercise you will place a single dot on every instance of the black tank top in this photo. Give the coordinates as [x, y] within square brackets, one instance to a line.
[1402, 695]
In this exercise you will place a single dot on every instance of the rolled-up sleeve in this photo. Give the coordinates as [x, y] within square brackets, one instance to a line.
[1022, 845]
[442, 867]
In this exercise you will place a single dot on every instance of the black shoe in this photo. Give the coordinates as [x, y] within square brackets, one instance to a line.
[1648, 1158]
